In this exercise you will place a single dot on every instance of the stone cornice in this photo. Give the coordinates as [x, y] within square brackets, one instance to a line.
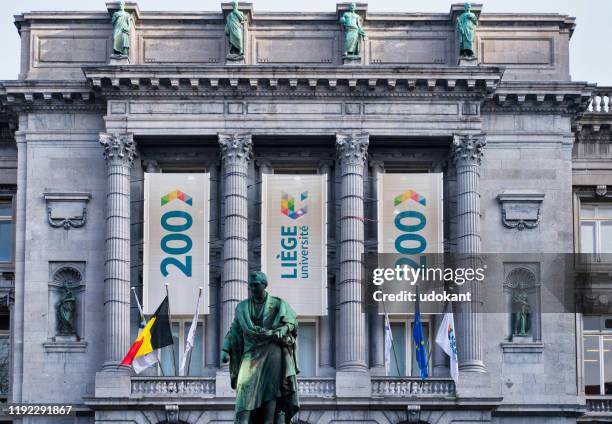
[195, 81]
[558, 97]
[20, 95]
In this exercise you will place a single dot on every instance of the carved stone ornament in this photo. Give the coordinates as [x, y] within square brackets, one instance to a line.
[468, 149]
[521, 209]
[601, 190]
[67, 210]
[236, 147]
[119, 149]
[352, 149]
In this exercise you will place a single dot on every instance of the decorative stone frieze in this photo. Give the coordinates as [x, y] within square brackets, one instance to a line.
[66, 210]
[521, 209]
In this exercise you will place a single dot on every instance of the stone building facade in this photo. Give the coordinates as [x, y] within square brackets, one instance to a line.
[80, 129]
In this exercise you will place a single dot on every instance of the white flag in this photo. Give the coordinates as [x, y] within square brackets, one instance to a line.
[388, 343]
[446, 339]
[191, 334]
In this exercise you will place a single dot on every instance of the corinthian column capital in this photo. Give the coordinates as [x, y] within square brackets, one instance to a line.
[236, 147]
[352, 149]
[468, 149]
[119, 149]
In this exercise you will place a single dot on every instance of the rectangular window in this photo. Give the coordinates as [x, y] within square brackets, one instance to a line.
[597, 355]
[307, 349]
[596, 231]
[397, 365]
[6, 230]
[172, 360]
[402, 350]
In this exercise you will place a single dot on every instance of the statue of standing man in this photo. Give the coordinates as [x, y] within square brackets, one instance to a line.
[353, 32]
[122, 24]
[234, 30]
[260, 347]
[466, 24]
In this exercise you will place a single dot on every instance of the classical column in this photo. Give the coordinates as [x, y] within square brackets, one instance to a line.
[351, 155]
[377, 329]
[236, 152]
[119, 151]
[211, 345]
[326, 367]
[467, 153]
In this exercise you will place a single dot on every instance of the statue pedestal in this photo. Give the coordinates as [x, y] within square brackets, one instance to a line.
[65, 339]
[235, 59]
[119, 59]
[518, 338]
[468, 61]
[351, 60]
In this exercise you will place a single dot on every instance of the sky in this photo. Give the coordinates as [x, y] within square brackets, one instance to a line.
[590, 51]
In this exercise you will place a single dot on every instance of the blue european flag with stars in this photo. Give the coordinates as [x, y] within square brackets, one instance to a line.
[419, 341]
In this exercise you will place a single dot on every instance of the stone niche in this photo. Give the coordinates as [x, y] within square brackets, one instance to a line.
[61, 275]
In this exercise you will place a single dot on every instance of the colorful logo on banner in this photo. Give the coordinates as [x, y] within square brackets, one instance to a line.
[288, 206]
[294, 240]
[410, 194]
[410, 223]
[176, 194]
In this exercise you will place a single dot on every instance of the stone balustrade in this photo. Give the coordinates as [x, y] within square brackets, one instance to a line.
[317, 387]
[600, 101]
[205, 387]
[410, 386]
[173, 387]
[599, 405]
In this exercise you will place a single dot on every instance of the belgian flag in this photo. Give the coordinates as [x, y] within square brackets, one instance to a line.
[155, 335]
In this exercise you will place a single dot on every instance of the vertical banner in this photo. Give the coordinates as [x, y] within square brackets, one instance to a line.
[410, 219]
[294, 240]
[176, 231]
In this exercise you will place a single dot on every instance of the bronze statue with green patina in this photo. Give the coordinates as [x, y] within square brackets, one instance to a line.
[353, 32]
[520, 302]
[466, 25]
[122, 24]
[66, 313]
[261, 349]
[234, 31]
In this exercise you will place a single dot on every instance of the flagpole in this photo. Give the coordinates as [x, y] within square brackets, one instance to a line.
[169, 318]
[197, 312]
[142, 317]
[392, 343]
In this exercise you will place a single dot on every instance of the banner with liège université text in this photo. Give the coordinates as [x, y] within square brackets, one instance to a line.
[294, 240]
[176, 238]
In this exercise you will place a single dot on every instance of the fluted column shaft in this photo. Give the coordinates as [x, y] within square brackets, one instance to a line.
[351, 155]
[377, 331]
[236, 152]
[119, 151]
[468, 152]
[211, 346]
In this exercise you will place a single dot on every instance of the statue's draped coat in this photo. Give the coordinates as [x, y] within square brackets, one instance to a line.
[122, 23]
[262, 369]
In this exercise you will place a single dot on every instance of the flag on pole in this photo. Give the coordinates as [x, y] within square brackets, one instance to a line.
[388, 343]
[143, 362]
[446, 339]
[155, 335]
[419, 341]
[191, 334]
